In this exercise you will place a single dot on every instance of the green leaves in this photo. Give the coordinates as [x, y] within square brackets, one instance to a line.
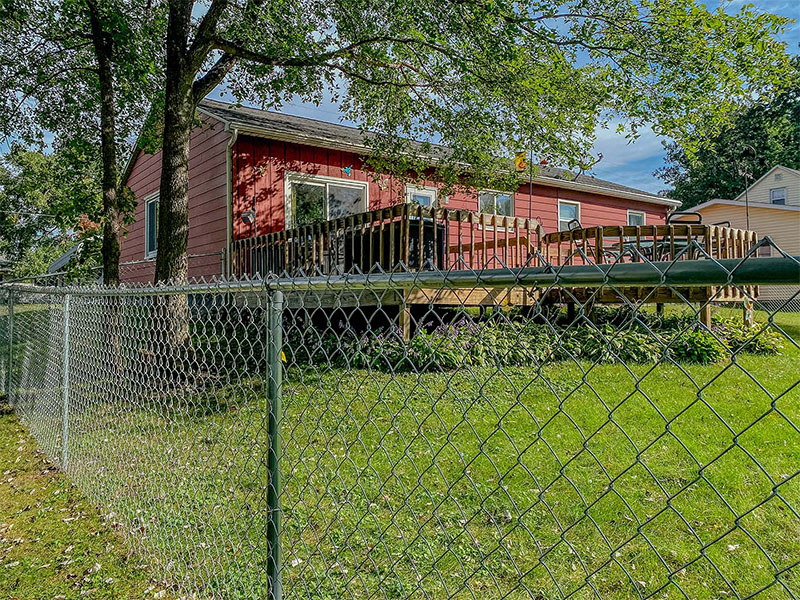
[758, 138]
[487, 78]
[42, 200]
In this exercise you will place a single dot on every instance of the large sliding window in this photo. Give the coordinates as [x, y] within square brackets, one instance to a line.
[316, 198]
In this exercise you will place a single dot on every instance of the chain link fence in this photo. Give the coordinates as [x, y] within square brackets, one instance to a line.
[432, 435]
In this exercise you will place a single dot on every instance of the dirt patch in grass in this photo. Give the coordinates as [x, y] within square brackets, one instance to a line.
[53, 543]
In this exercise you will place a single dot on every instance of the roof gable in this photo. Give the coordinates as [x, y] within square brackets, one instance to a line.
[765, 177]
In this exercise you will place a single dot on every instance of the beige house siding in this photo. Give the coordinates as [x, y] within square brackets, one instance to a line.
[782, 225]
[778, 177]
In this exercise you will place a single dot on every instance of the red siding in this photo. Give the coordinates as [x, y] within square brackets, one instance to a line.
[207, 204]
[260, 166]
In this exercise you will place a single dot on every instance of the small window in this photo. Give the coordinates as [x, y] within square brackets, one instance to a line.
[424, 196]
[635, 217]
[496, 203]
[151, 226]
[568, 212]
[778, 177]
[765, 251]
[777, 196]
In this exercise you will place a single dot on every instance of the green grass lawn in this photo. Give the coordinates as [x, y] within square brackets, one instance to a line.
[53, 542]
[566, 480]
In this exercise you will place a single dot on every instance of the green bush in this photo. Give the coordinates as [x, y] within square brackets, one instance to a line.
[754, 340]
[696, 346]
[517, 341]
[607, 344]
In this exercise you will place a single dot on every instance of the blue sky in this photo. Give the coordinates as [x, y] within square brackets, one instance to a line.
[627, 163]
[633, 164]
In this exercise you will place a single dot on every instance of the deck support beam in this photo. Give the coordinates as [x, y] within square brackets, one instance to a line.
[404, 318]
[705, 314]
[570, 312]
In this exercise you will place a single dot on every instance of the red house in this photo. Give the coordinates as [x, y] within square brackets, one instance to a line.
[270, 192]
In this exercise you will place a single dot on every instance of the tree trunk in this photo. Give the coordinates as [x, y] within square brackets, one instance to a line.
[172, 316]
[179, 107]
[173, 210]
[103, 49]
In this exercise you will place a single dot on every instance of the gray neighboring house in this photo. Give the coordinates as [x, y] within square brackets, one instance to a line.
[62, 261]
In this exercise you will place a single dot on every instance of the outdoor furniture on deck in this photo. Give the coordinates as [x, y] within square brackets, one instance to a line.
[410, 237]
[406, 237]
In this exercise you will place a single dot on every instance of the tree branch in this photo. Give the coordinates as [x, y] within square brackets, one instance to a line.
[203, 39]
[320, 59]
[203, 86]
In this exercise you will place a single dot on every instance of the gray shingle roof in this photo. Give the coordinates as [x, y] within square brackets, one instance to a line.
[312, 131]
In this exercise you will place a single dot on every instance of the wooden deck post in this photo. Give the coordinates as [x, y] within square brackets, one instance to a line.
[705, 315]
[747, 312]
[404, 317]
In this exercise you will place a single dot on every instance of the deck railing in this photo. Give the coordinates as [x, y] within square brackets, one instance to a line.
[412, 237]
[639, 243]
[636, 243]
[402, 237]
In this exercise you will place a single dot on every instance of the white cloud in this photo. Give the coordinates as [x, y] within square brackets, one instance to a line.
[617, 150]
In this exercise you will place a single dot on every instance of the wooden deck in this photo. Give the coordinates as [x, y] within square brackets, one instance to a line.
[405, 237]
[640, 243]
[410, 237]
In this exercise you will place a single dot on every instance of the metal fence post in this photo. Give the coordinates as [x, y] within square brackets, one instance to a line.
[10, 343]
[65, 387]
[275, 374]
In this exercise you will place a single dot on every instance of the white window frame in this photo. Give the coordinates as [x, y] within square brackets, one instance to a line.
[640, 213]
[577, 214]
[154, 197]
[780, 189]
[513, 196]
[291, 177]
[428, 190]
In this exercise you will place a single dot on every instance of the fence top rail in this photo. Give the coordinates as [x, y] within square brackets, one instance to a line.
[783, 270]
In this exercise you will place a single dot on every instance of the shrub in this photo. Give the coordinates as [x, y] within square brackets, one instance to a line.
[505, 342]
[696, 346]
[607, 344]
[741, 338]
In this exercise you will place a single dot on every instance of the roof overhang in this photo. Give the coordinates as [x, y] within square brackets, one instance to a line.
[596, 189]
[244, 128]
[753, 205]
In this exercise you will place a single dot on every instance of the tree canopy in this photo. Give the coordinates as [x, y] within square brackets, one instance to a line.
[758, 138]
[48, 203]
[81, 70]
[49, 72]
[485, 78]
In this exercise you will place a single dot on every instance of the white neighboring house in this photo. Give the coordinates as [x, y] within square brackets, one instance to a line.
[780, 186]
[774, 201]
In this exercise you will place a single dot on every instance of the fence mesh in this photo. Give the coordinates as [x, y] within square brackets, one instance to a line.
[535, 433]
